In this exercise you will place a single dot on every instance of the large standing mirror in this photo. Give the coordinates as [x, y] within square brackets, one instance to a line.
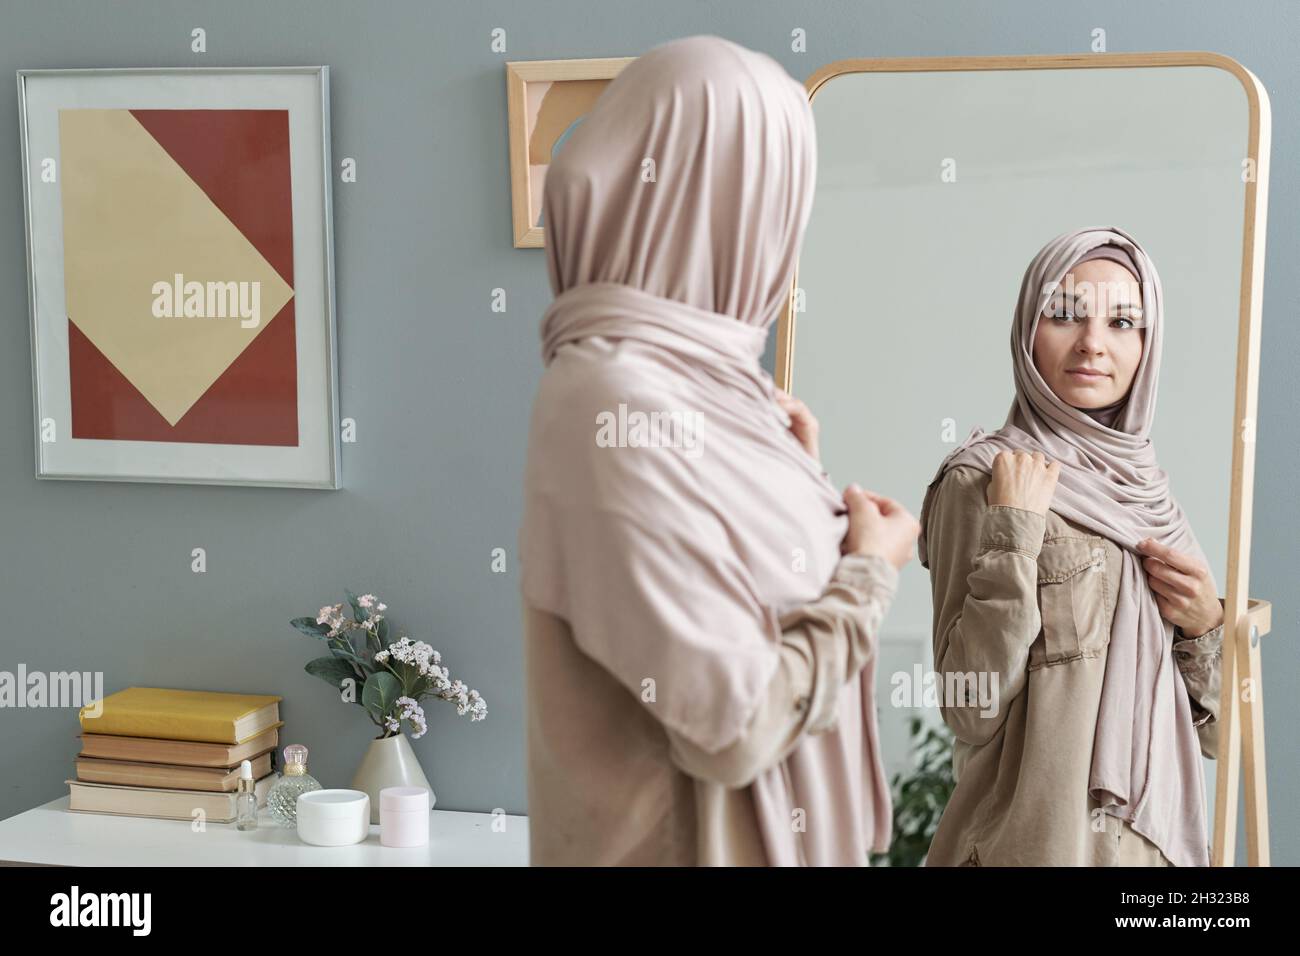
[938, 181]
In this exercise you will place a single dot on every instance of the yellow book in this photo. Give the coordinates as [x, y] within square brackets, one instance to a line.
[182, 715]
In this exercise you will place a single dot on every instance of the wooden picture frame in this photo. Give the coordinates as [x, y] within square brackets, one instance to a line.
[1241, 723]
[539, 116]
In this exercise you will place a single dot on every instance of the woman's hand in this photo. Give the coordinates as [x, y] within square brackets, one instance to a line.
[1183, 588]
[803, 424]
[1025, 481]
[879, 525]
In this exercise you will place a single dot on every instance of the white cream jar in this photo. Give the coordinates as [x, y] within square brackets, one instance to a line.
[333, 817]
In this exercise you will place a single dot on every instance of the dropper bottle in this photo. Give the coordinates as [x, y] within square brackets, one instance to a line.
[245, 799]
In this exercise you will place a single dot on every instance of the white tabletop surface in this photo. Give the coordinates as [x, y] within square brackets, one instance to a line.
[52, 834]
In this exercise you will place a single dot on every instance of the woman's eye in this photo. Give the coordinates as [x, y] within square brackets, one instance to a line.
[1066, 316]
[1130, 324]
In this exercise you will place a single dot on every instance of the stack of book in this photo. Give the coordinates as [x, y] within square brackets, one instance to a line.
[152, 752]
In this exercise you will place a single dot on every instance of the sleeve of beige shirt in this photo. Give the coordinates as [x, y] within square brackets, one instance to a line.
[824, 645]
[1200, 659]
[984, 577]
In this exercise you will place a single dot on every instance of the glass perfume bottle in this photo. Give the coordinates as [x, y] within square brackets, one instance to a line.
[283, 798]
[246, 799]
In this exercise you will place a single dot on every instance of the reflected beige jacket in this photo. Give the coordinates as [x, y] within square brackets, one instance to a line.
[1030, 598]
[610, 785]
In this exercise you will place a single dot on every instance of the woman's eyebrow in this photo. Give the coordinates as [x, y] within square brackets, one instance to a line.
[1134, 308]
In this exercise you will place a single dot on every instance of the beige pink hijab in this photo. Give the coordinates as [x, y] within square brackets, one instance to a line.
[1146, 761]
[673, 218]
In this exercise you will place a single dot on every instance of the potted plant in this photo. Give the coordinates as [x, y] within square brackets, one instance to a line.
[920, 797]
[388, 679]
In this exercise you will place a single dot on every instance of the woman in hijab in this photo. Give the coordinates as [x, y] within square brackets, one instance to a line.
[1064, 572]
[700, 611]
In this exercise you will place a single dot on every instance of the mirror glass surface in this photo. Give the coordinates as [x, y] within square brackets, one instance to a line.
[934, 192]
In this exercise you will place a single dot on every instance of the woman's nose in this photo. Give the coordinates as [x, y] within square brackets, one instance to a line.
[1090, 341]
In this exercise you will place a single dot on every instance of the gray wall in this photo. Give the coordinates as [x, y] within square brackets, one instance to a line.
[96, 576]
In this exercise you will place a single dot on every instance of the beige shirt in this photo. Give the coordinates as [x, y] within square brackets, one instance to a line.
[1030, 598]
[609, 785]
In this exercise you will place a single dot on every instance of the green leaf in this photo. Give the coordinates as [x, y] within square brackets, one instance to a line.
[358, 612]
[343, 648]
[309, 626]
[383, 631]
[380, 693]
[413, 683]
[332, 670]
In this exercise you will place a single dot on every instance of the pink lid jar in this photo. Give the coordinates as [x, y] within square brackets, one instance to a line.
[404, 816]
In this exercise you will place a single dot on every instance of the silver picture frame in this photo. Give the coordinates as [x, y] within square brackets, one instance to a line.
[229, 464]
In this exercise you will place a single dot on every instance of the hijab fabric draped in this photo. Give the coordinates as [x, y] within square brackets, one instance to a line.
[1146, 761]
[673, 217]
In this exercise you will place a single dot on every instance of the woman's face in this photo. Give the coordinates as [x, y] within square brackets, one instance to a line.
[1092, 324]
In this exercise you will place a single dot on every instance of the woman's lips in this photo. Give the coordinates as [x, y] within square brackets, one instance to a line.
[1087, 375]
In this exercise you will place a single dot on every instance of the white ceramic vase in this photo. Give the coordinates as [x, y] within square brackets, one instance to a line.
[389, 762]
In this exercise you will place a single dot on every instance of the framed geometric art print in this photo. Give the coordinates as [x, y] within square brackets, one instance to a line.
[181, 275]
